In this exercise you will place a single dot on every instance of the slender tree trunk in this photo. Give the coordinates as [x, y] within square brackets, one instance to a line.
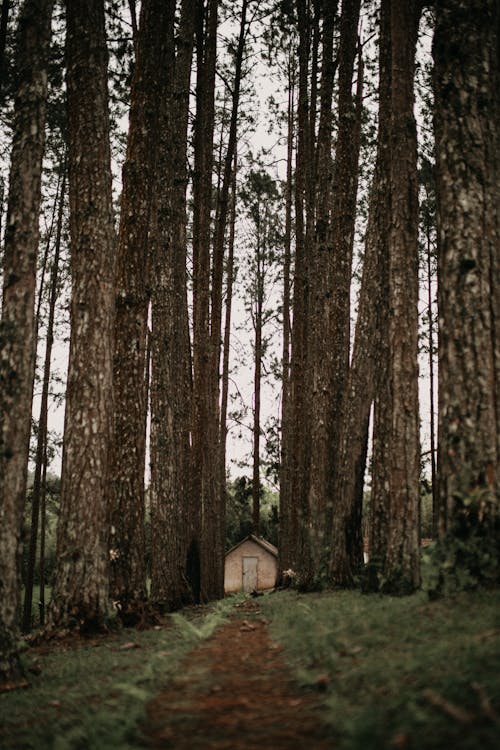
[17, 327]
[205, 434]
[380, 498]
[42, 421]
[402, 560]
[43, 531]
[258, 353]
[227, 327]
[293, 500]
[468, 192]
[128, 573]
[171, 371]
[285, 489]
[320, 364]
[432, 397]
[81, 591]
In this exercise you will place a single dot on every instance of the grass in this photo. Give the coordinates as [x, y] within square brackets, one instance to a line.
[93, 697]
[397, 672]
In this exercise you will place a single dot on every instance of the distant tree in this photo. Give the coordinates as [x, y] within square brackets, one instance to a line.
[17, 326]
[260, 197]
[81, 590]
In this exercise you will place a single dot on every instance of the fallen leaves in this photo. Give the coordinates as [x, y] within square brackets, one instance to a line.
[8, 687]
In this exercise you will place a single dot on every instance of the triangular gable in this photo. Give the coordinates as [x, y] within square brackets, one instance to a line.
[267, 546]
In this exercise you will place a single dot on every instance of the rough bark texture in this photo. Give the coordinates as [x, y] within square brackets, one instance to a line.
[347, 542]
[401, 570]
[205, 433]
[81, 591]
[320, 350]
[171, 371]
[293, 495]
[466, 54]
[17, 327]
[380, 500]
[285, 490]
[128, 574]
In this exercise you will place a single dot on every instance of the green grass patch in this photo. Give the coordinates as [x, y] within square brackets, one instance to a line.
[397, 672]
[93, 697]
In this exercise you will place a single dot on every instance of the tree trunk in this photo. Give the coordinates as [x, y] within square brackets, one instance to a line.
[17, 327]
[467, 143]
[402, 559]
[205, 434]
[81, 591]
[227, 329]
[217, 279]
[258, 354]
[432, 396]
[293, 495]
[380, 499]
[128, 573]
[44, 406]
[171, 367]
[285, 490]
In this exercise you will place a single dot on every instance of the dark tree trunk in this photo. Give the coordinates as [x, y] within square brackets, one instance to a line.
[466, 55]
[171, 367]
[293, 499]
[17, 327]
[81, 591]
[402, 557]
[230, 273]
[128, 573]
[432, 395]
[320, 362]
[205, 437]
[217, 280]
[379, 502]
[42, 421]
[285, 490]
[257, 381]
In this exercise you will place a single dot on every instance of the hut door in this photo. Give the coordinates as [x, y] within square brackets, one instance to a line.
[250, 573]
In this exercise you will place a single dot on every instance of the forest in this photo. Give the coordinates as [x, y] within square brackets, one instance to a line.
[250, 266]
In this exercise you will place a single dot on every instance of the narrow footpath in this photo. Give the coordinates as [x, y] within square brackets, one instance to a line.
[235, 692]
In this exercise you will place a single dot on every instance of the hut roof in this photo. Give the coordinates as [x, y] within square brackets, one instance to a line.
[267, 546]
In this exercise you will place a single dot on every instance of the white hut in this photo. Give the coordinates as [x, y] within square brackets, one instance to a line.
[251, 565]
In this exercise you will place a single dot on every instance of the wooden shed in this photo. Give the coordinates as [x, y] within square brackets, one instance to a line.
[251, 565]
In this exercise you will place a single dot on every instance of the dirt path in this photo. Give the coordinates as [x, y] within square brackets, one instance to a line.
[235, 692]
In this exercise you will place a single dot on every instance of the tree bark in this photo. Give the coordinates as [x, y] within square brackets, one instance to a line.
[380, 498]
[171, 370]
[128, 573]
[285, 490]
[17, 327]
[468, 196]
[401, 571]
[205, 435]
[81, 591]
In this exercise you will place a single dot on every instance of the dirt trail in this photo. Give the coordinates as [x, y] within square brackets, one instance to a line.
[235, 692]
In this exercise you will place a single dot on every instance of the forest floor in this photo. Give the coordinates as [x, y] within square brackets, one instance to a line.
[286, 670]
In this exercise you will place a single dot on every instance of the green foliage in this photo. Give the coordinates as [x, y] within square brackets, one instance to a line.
[239, 512]
[93, 696]
[375, 660]
[468, 556]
